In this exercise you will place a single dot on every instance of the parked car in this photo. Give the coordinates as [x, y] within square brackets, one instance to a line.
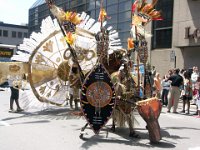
[4, 85]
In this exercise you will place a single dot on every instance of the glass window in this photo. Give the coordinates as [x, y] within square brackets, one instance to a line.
[113, 18]
[5, 33]
[162, 30]
[14, 34]
[81, 1]
[90, 6]
[124, 36]
[124, 26]
[124, 16]
[98, 3]
[0, 32]
[109, 2]
[81, 8]
[125, 6]
[25, 34]
[91, 13]
[19, 34]
[167, 13]
[112, 9]
[114, 25]
[162, 38]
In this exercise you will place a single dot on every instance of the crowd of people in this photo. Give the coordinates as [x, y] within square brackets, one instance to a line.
[175, 85]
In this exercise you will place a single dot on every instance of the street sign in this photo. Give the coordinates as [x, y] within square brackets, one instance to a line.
[172, 56]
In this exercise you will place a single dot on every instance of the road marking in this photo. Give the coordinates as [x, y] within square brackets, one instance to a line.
[194, 148]
[4, 123]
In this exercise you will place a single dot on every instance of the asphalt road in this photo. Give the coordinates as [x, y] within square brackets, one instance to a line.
[45, 127]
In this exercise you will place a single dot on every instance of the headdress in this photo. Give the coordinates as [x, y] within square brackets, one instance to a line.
[145, 12]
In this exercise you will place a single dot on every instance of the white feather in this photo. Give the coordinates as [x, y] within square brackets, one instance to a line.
[89, 23]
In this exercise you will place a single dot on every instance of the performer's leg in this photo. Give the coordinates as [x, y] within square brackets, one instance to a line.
[130, 124]
[113, 125]
[71, 101]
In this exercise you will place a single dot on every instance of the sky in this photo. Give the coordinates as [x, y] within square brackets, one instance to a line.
[15, 11]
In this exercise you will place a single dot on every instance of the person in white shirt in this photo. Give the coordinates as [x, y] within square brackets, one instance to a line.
[14, 93]
[194, 77]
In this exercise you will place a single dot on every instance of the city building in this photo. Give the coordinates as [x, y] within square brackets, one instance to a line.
[119, 12]
[10, 36]
[175, 40]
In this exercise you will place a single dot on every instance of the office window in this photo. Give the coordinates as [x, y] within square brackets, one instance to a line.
[124, 6]
[5, 33]
[124, 26]
[0, 32]
[124, 16]
[14, 34]
[91, 13]
[113, 18]
[124, 36]
[109, 2]
[112, 9]
[90, 6]
[81, 8]
[19, 34]
[162, 30]
[162, 38]
[25, 34]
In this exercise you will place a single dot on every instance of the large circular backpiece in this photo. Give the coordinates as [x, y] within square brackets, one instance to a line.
[49, 71]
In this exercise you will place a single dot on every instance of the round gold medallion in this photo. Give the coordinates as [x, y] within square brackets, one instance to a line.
[99, 94]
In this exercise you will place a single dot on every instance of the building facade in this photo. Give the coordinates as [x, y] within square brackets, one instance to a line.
[12, 34]
[118, 10]
[175, 41]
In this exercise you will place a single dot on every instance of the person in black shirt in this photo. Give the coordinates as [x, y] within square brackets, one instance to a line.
[174, 91]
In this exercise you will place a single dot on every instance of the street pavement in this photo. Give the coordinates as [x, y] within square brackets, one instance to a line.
[45, 127]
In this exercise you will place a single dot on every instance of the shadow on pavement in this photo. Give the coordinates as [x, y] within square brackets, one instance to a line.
[50, 114]
[124, 133]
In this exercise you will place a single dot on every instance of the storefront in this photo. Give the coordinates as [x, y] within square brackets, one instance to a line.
[6, 52]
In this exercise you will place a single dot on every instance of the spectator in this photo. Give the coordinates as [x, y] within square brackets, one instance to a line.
[157, 85]
[153, 72]
[14, 93]
[194, 77]
[174, 91]
[165, 90]
[187, 91]
[197, 96]
[170, 72]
